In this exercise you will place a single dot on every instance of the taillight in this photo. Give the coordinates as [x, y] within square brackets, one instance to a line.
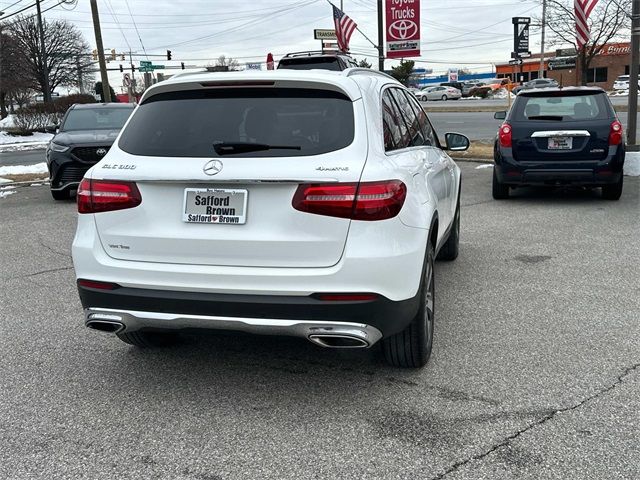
[505, 135]
[615, 133]
[96, 196]
[358, 201]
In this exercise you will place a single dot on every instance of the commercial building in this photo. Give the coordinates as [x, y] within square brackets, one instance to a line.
[613, 60]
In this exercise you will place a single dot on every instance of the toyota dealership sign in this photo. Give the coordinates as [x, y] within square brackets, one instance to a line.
[403, 28]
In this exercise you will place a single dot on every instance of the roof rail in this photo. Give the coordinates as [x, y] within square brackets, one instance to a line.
[309, 53]
[360, 71]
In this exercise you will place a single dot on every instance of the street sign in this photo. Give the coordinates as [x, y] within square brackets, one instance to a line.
[521, 36]
[324, 34]
[516, 61]
[146, 68]
[158, 67]
[126, 80]
[566, 52]
[402, 28]
[145, 63]
[253, 66]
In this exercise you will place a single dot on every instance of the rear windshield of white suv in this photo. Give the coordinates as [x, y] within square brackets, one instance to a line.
[565, 107]
[247, 122]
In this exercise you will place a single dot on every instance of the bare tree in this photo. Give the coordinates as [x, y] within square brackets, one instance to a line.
[224, 61]
[364, 63]
[609, 21]
[12, 72]
[66, 51]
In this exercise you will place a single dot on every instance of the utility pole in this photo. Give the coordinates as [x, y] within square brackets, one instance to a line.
[79, 70]
[633, 77]
[45, 69]
[3, 113]
[380, 38]
[544, 24]
[106, 92]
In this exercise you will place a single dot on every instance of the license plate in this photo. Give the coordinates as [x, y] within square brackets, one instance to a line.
[560, 143]
[215, 205]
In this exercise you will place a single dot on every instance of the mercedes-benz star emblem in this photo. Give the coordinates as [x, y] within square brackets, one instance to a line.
[101, 152]
[212, 167]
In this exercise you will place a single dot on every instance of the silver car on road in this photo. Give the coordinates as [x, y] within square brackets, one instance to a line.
[439, 93]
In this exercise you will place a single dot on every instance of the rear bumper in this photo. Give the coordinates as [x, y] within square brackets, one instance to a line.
[593, 173]
[145, 309]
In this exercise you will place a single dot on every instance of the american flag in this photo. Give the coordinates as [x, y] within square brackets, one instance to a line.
[583, 9]
[344, 28]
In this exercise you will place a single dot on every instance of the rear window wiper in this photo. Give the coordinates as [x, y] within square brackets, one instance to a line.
[229, 148]
[546, 117]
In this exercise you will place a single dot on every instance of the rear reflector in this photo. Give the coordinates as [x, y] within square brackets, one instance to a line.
[97, 285]
[615, 133]
[358, 201]
[96, 196]
[346, 297]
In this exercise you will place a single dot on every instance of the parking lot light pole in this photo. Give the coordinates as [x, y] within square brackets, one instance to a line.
[633, 77]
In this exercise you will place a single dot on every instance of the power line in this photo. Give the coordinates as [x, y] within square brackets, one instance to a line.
[136, 27]
[112, 12]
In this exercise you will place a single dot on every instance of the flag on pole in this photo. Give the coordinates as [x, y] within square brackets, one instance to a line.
[583, 9]
[344, 28]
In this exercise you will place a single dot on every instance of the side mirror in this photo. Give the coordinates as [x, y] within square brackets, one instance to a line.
[51, 129]
[500, 115]
[456, 142]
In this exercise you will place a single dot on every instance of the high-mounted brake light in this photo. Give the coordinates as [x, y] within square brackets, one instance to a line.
[96, 196]
[358, 201]
[615, 133]
[505, 135]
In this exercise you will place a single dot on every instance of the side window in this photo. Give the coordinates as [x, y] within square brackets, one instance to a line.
[393, 119]
[425, 126]
[409, 115]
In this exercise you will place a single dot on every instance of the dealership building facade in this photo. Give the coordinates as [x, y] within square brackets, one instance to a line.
[613, 60]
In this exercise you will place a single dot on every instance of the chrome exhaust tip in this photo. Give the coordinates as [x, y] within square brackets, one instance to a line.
[106, 326]
[339, 340]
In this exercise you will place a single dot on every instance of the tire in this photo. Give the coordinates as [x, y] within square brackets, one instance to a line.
[499, 190]
[613, 192]
[444, 98]
[60, 194]
[450, 249]
[411, 348]
[148, 339]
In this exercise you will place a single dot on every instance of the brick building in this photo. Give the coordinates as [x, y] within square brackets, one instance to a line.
[612, 61]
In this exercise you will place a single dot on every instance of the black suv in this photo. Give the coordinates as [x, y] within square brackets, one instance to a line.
[83, 138]
[311, 60]
[560, 136]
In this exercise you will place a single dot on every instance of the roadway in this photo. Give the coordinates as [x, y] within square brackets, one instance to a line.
[535, 371]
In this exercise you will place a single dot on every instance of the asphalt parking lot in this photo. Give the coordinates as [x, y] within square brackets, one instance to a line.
[535, 370]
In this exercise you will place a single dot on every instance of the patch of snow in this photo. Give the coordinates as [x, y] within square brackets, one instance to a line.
[471, 98]
[5, 180]
[8, 122]
[485, 165]
[502, 93]
[36, 185]
[619, 93]
[632, 164]
[23, 169]
[37, 137]
[8, 187]
[6, 193]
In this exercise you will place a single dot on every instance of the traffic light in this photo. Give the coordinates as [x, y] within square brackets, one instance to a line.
[122, 57]
[121, 69]
[182, 65]
[113, 54]
[133, 68]
[94, 54]
[168, 54]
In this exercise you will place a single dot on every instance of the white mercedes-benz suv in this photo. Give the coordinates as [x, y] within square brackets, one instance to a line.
[304, 203]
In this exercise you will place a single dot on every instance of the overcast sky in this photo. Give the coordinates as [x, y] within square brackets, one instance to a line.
[455, 33]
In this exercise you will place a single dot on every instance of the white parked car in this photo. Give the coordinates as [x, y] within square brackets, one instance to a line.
[622, 83]
[302, 203]
[439, 93]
